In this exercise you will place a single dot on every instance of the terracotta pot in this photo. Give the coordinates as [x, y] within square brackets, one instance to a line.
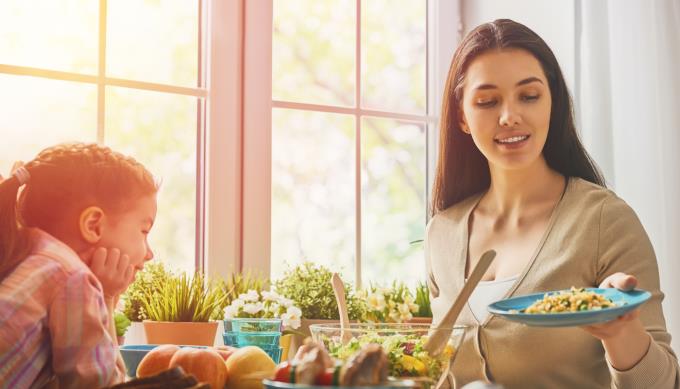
[420, 320]
[180, 333]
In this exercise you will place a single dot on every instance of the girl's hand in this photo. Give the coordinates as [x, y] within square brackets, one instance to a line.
[112, 269]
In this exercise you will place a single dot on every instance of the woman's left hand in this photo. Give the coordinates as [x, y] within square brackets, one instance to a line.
[625, 340]
[616, 327]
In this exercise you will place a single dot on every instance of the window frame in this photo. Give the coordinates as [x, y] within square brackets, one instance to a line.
[444, 29]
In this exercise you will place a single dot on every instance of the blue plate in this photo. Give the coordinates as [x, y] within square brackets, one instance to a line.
[512, 308]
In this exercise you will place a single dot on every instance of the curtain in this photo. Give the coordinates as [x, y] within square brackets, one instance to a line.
[627, 95]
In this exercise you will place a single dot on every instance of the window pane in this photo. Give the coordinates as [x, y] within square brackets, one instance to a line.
[313, 181]
[58, 35]
[153, 41]
[393, 200]
[160, 131]
[38, 113]
[313, 51]
[393, 55]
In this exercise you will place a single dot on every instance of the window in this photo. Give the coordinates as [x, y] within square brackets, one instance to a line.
[125, 73]
[352, 127]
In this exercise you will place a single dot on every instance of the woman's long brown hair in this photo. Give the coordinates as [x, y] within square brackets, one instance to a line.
[462, 170]
[64, 180]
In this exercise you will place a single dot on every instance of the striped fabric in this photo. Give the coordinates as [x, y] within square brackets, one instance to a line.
[53, 321]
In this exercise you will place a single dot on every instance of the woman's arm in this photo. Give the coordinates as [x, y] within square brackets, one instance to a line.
[637, 345]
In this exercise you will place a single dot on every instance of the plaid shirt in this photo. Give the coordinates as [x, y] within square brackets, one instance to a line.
[53, 322]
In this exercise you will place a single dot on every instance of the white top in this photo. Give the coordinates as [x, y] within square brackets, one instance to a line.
[486, 293]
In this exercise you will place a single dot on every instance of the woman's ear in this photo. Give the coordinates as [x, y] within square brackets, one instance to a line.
[463, 123]
[90, 224]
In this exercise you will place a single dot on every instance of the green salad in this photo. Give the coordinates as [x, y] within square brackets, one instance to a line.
[406, 354]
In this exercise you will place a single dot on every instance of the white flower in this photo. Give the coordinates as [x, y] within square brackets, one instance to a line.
[252, 295]
[253, 308]
[376, 301]
[414, 307]
[404, 309]
[292, 317]
[408, 299]
[230, 312]
[269, 296]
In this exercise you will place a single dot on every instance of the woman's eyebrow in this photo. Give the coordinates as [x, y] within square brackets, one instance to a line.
[525, 81]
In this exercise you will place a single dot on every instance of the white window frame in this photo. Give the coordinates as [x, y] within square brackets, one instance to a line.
[444, 30]
[218, 190]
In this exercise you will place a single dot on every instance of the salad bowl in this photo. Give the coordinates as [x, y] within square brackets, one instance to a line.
[403, 344]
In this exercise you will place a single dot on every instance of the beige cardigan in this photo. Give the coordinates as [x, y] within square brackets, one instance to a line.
[591, 234]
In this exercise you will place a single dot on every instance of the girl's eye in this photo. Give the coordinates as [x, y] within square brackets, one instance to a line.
[485, 103]
[530, 98]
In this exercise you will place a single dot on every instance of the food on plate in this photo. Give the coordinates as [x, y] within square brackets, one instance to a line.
[573, 300]
[406, 354]
[313, 366]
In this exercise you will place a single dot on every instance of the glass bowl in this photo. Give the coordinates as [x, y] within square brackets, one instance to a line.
[243, 324]
[403, 344]
[242, 339]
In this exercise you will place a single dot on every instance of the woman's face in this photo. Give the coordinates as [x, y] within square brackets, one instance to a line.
[506, 107]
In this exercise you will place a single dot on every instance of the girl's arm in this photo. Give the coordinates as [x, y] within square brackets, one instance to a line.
[83, 352]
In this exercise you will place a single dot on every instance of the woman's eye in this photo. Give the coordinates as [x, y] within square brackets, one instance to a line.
[530, 98]
[485, 103]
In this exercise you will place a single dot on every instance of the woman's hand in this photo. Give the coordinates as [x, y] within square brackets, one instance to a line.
[112, 269]
[625, 339]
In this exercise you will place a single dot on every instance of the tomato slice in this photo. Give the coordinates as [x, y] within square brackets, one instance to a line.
[330, 377]
[285, 372]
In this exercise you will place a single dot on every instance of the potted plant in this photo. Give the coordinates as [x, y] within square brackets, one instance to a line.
[179, 312]
[261, 311]
[424, 314]
[148, 280]
[238, 284]
[393, 304]
[309, 287]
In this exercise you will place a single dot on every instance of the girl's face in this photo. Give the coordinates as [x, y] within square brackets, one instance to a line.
[128, 230]
[506, 107]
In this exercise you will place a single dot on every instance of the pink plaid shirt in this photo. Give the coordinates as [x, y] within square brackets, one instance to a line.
[53, 322]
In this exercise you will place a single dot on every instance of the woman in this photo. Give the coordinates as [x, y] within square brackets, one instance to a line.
[513, 176]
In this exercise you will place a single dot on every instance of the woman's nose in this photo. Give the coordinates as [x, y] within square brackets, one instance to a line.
[509, 117]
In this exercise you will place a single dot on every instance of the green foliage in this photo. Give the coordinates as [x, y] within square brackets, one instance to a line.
[122, 323]
[184, 299]
[309, 286]
[237, 284]
[149, 280]
[423, 300]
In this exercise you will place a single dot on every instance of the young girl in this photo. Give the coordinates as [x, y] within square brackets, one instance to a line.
[73, 229]
[513, 176]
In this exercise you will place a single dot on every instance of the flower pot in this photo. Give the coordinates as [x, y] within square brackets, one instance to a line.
[180, 333]
[420, 320]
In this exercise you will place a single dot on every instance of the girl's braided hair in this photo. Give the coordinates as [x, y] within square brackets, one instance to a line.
[64, 180]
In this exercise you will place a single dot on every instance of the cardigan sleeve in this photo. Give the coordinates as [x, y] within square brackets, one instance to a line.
[623, 246]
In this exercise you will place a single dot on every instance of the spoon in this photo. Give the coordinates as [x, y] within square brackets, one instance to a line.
[440, 335]
[339, 290]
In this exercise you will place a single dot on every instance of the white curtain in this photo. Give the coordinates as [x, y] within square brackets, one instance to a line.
[627, 97]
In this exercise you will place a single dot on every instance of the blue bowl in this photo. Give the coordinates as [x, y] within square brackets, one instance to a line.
[242, 339]
[134, 353]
